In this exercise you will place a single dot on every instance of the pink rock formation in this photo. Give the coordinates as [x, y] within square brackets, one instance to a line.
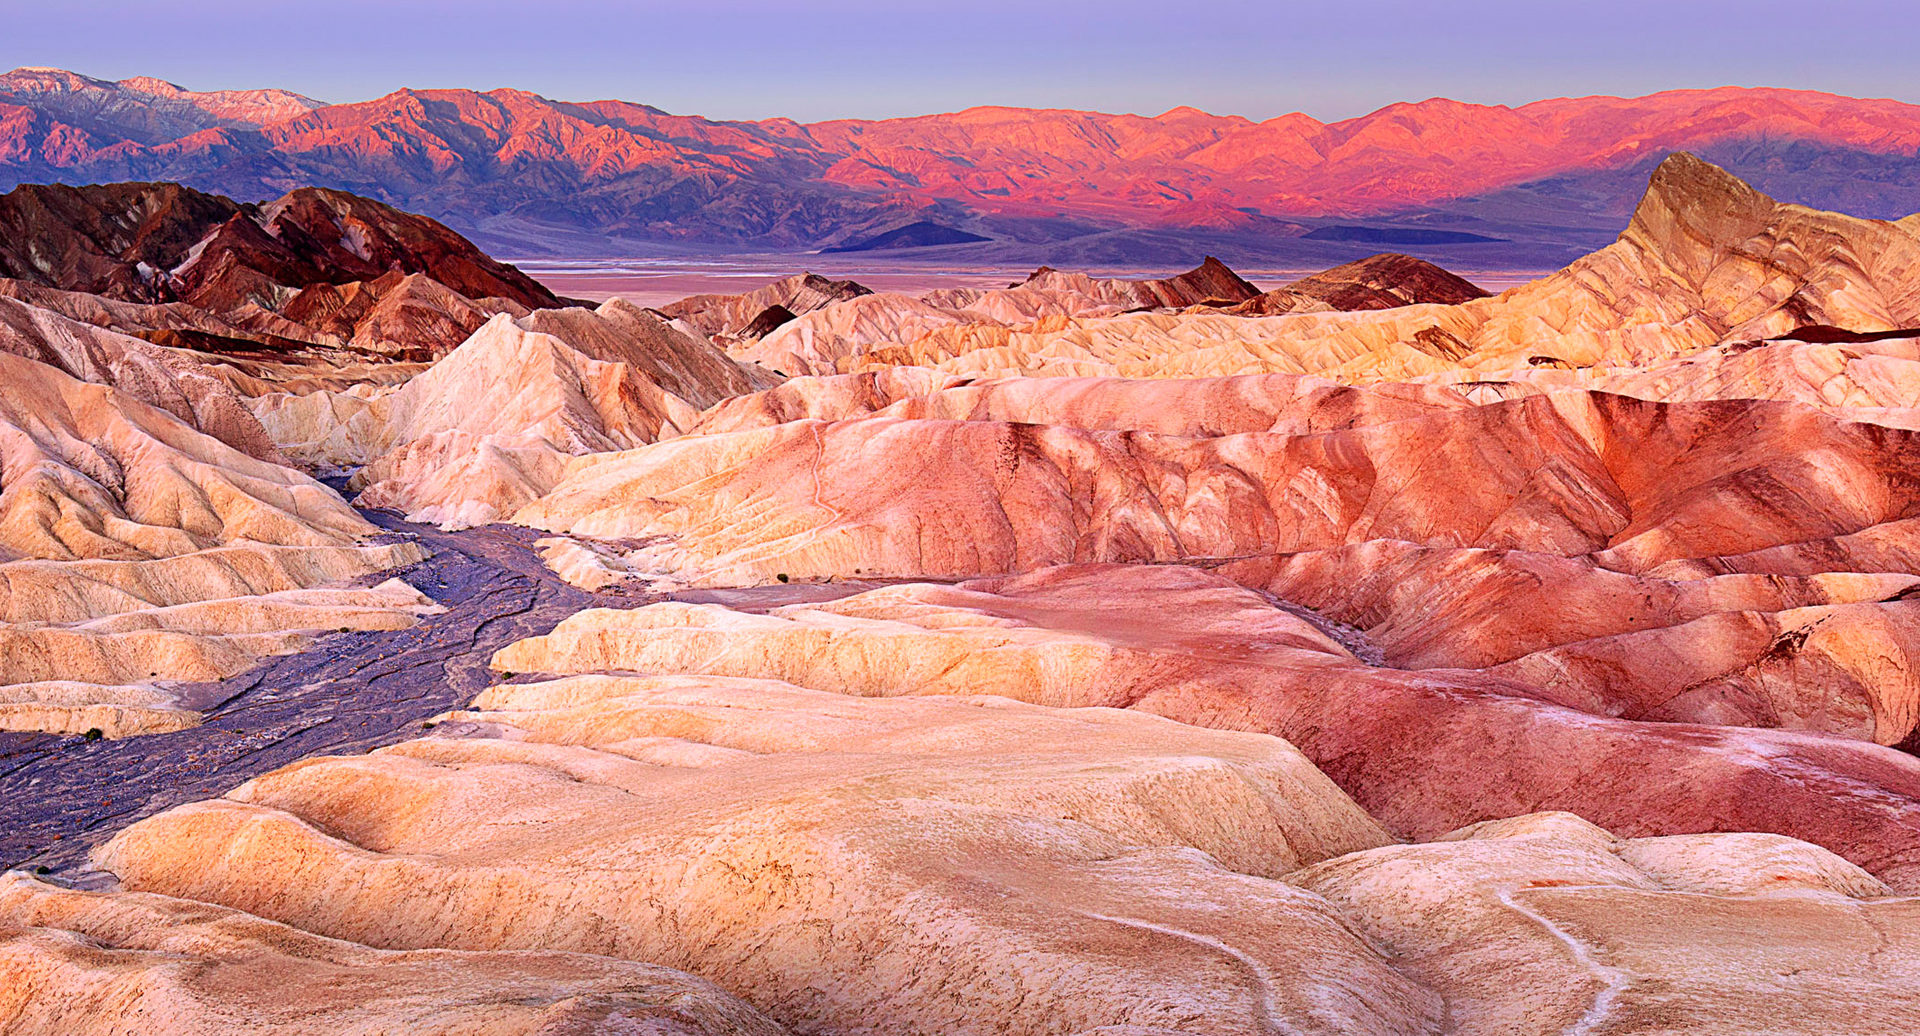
[1423, 751]
[1638, 483]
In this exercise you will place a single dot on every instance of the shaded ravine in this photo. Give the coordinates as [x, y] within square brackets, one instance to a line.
[351, 692]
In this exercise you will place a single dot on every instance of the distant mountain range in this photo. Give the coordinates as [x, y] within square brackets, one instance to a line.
[522, 174]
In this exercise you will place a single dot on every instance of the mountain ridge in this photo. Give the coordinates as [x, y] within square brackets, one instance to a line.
[524, 166]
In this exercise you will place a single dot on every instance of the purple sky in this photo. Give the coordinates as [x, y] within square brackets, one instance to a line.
[869, 59]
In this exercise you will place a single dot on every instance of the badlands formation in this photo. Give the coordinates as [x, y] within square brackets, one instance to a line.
[1365, 654]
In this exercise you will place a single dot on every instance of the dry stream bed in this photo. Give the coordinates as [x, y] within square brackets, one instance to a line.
[60, 796]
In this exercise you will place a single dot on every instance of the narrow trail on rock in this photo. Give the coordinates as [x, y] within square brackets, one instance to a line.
[352, 692]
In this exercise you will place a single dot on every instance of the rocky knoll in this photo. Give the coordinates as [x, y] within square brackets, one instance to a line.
[1385, 281]
[315, 275]
[1210, 282]
[755, 313]
[685, 364]
[506, 393]
[488, 428]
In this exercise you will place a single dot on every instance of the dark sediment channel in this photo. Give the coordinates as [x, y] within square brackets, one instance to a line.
[351, 692]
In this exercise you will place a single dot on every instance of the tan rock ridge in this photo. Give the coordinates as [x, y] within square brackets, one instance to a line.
[522, 387]
[91, 472]
[740, 316]
[1199, 407]
[160, 377]
[617, 331]
[140, 553]
[1876, 381]
[251, 349]
[826, 340]
[84, 963]
[833, 397]
[77, 707]
[836, 335]
[1194, 407]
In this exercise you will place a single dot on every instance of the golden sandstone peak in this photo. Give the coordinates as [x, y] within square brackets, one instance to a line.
[1700, 200]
